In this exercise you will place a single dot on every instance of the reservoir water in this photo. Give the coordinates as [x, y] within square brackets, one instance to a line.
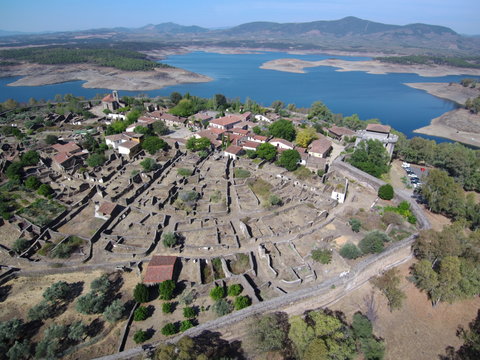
[238, 76]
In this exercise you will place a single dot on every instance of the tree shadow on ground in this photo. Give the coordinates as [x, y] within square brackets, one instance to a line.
[95, 327]
[212, 345]
[4, 292]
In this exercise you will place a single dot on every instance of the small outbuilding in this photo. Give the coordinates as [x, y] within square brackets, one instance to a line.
[159, 269]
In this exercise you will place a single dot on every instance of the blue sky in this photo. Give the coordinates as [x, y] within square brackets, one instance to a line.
[59, 15]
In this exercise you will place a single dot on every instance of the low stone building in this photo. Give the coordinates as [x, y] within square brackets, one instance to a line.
[159, 269]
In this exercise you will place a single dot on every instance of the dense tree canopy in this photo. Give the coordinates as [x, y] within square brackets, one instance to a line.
[289, 159]
[152, 144]
[267, 151]
[283, 129]
[371, 157]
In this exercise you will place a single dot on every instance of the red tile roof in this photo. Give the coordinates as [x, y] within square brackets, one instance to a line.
[227, 120]
[320, 146]
[379, 128]
[108, 98]
[69, 147]
[160, 269]
[340, 131]
[60, 158]
[216, 131]
[251, 144]
[234, 149]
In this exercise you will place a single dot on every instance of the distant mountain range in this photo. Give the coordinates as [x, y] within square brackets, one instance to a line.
[348, 34]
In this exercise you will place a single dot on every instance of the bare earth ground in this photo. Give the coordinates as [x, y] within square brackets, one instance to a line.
[418, 330]
[369, 66]
[459, 125]
[100, 77]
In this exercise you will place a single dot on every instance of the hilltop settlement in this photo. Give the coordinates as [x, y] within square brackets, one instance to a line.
[129, 220]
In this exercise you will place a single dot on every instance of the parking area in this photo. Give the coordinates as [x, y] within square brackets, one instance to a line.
[415, 174]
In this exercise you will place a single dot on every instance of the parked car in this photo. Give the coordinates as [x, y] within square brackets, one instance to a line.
[405, 165]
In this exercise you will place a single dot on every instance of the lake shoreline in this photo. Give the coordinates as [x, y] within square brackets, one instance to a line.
[368, 66]
[99, 77]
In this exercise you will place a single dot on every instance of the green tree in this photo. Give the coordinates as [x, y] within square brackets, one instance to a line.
[76, 331]
[217, 293]
[370, 156]
[160, 128]
[152, 144]
[289, 159]
[388, 284]
[41, 311]
[319, 111]
[101, 284]
[373, 349]
[306, 136]
[222, 307]
[44, 190]
[323, 256]
[300, 334]
[20, 245]
[32, 183]
[267, 151]
[91, 303]
[283, 129]
[350, 251]
[356, 224]
[59, 291]
[141, 293]
[268, 332]
[14, 171]
[140, 336]
[184, 108]
[242, 302]
[442, 193]
[30, 158]
[234, 290]
[114, 311]
[185, 325]
[361, 326]
[169, 329]
[200, 144]
[175, 97]
[316, 350]
[95, 160]
[385, 192]
[166, 289]
[189, 312]
[51, 139]
[20, 350]
[140, 314]
[148, 164]
[167, 308]
[373, 242]
[169, 239]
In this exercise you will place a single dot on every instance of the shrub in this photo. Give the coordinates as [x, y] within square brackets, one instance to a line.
[140, 336]
[217, 293]
[32, 183]
[41, 311]
[184, 172]
[323, 256]
[390, 217]
[320, 172]
[185, 325]
[51, 139]
[275, 200]
[148, 164]
[373, 242]
[189, 312]
[235, 290]
[350, 251]
[20, 245]
[355, 224]
[141, 293]
[167, 308]
[57, 291]
[140, 314]
[166, 289]
[95, 160]
[241, 173]
[45, 190]
[169, 329]
[222, 307]
[385, 192]
[101, 284]
[169, 239]
[242, 302]
[30, 158]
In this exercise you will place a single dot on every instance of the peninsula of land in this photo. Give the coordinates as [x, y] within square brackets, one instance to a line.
[458, 125]
[99, 76]
[369, 66]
